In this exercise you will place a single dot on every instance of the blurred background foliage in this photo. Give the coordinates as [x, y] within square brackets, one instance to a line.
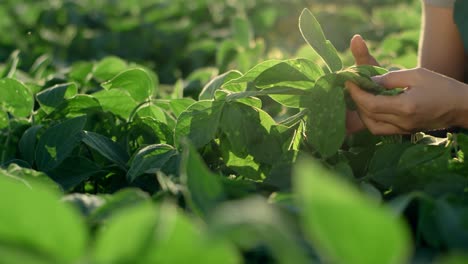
[195, 40]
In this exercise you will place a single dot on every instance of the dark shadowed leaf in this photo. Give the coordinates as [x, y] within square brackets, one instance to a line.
[73, 171]
[57, 143]
[149, 160]
[27, 144]
[52, 97]
[106, 147]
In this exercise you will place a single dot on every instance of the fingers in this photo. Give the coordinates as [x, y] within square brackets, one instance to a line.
[400, 79]
[361, 53]
[381, 128]
[353, 122]
[377, 104]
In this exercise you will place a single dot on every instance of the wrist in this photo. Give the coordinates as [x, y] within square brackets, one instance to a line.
[461, 112]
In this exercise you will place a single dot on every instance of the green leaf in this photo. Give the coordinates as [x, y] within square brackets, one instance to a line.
[209, 90]
[253, 221]
[108, 67]
[178, 240]
[178, 106]
[244, 166]
[298, 73]
[15, 98]
[26, 224]
[27, 143]
[326, 123]
[117, 202]
[248, 131]
[126, 235]
[152, 111]
[159, 129]
[106, 147]
[58, 142]
[73, 171]
[313, 35]
[204, 188]
[149, 160]
[78, 105]
[335, 216]
[116, 101]
[137, 82]
[199, 122]
[52, 97]
[81, 71]
[384, 163]
[11, 254]
[240, 84]
[31, 177]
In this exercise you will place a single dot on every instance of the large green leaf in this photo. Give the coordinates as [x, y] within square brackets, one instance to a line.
[116, 101]
[58, 142]
[326, 124]
[137, 82]
[204, 188]
[178, 240]
[15, 98]
[248, 131]
[108, 67]
[335, 216]
[313, 35]
[126, 235]
[34, 222]
[32, 177]
[253, 221]
[199, 122]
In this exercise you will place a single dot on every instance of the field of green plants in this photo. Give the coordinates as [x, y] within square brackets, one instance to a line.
[171, 131]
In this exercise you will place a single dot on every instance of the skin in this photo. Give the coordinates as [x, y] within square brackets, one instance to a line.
[435, 97]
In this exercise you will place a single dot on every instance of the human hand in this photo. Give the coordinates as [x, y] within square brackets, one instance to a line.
[430, 101]
[361, 56]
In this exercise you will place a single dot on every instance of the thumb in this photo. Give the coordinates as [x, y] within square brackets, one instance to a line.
[360, 52]
[396, 79]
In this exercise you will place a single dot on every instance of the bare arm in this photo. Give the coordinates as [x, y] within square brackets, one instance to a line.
[441, 46]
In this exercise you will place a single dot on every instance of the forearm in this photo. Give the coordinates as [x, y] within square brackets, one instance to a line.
[441, 47]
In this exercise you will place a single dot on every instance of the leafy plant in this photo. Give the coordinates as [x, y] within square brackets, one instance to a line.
[256, 167]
